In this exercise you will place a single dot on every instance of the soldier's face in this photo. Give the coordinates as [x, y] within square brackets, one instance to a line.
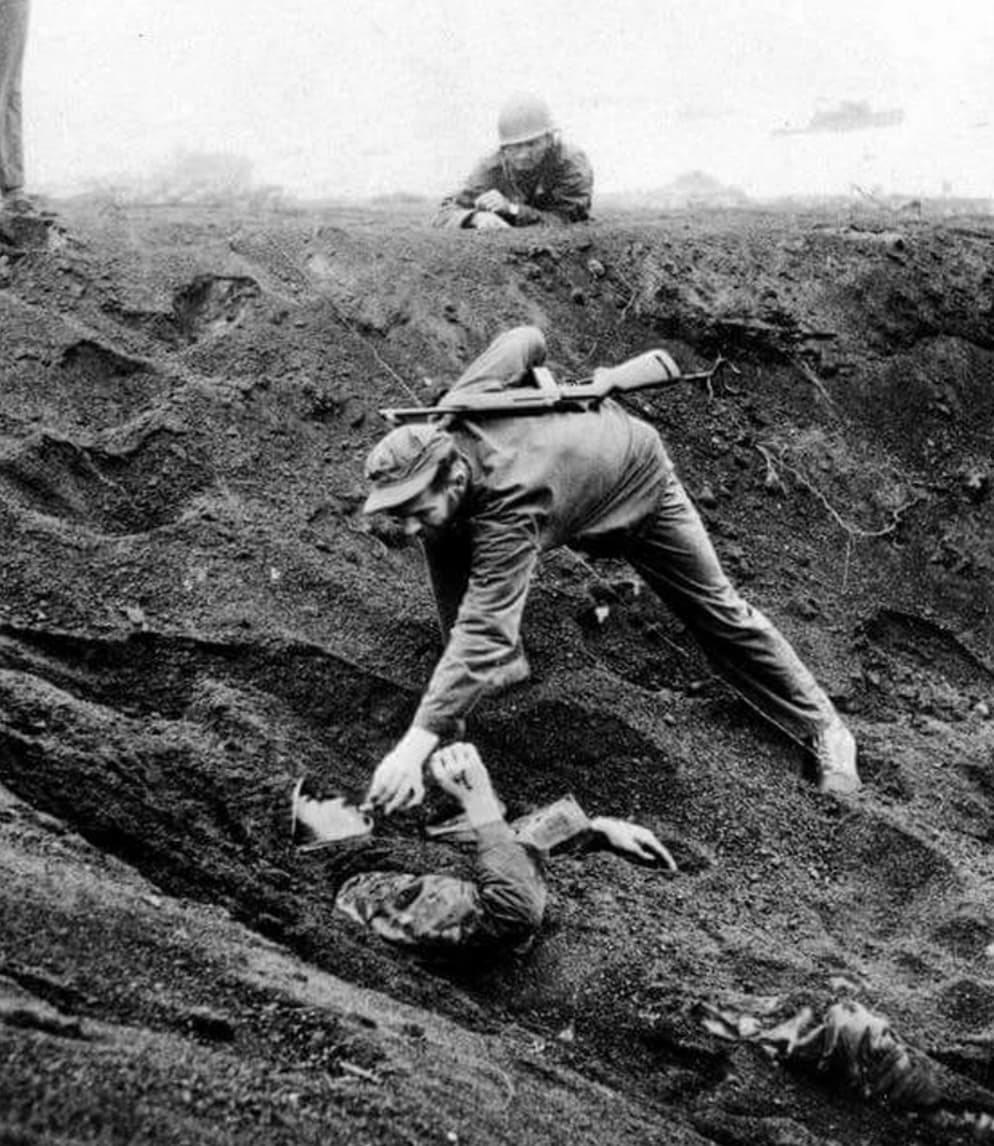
[432, 510]
[525, 157]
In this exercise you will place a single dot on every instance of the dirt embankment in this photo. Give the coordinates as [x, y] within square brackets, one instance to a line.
[193, 612]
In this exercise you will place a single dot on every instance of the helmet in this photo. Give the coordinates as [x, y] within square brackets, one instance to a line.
[523, 117]
[404, 464]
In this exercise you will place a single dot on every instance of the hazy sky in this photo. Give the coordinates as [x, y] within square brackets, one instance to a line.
[370, 96]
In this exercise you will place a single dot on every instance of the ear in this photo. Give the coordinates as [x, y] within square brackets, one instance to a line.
[459, 476]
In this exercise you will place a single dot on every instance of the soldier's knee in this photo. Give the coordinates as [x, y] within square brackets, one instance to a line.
[532, 342]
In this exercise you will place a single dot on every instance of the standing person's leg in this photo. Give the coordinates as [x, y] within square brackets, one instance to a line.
[504, 361]
[13, 38]
[673, 553]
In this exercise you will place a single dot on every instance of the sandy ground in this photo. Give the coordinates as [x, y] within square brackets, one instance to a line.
[193, 613]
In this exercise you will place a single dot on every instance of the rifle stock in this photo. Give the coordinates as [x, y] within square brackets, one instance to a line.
[654, 368]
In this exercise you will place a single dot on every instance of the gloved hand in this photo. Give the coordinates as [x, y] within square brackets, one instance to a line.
[487, 221]
[460, 772]
[632, 840]
[398, 781]
[492, 200]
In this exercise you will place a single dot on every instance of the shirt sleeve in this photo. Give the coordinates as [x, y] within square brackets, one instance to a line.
[485, 633]
[457, 209]
[510, 884]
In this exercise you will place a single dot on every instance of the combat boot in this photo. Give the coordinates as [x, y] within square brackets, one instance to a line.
[834, 751]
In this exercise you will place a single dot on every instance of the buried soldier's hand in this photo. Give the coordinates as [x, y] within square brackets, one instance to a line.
[488, 221]
[492, 200]
[632, 841]
[459, 771]
[398, 782]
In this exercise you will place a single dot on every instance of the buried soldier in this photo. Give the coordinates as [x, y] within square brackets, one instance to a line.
[503, 904]
[533, 177]
[859, 1048]
[487, 500]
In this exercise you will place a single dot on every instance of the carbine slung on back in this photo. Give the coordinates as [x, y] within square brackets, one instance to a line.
[544, 395]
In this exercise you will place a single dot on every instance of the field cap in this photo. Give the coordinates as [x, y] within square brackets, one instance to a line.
[404, 464]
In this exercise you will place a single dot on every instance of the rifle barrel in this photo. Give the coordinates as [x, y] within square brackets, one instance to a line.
[517, 402]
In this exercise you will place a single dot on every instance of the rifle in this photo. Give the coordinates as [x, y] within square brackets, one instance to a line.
[543, 395]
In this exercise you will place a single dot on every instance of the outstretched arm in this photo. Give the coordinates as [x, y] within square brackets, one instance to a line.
[483, 639]
[511, 889]
[631, 841]
[458, 210]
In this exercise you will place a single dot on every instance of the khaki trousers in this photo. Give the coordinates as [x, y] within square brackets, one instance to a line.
[13, 37]
[671, 550]
[674, 555]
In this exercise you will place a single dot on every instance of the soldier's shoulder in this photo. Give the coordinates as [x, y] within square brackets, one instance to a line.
[574, 158]
[572, 153]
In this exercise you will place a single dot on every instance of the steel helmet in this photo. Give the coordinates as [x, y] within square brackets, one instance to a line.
[523, 117]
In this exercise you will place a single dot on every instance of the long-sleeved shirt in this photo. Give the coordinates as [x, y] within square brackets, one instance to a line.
[558, 191]
[535, 483]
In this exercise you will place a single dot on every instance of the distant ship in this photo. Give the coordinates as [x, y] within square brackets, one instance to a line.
[849, 115]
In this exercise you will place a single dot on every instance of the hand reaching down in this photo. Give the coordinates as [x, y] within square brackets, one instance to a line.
[398, 782]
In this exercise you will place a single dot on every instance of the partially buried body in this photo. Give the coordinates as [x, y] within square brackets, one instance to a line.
[503, 904]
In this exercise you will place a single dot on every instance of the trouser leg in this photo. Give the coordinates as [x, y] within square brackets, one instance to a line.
[13, 37]
[504, 361]
[673, 553]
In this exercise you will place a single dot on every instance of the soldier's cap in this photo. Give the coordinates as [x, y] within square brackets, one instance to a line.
[404, 464]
